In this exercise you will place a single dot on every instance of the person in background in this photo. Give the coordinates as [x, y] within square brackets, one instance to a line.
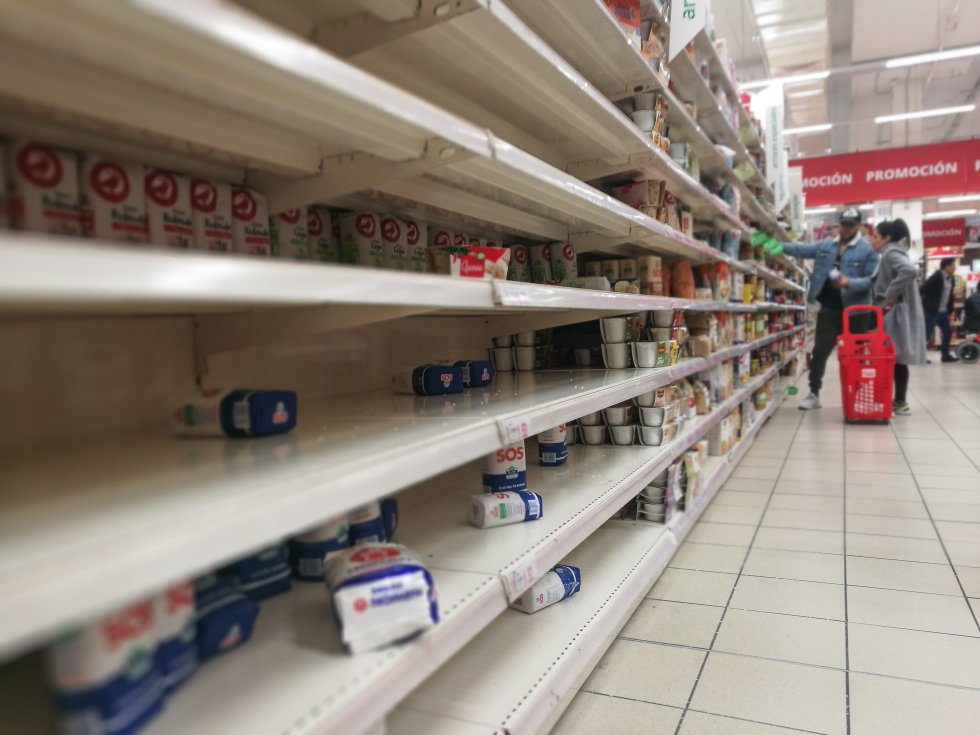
[937, 302]
[971, 314]
[896, 292]
[842, 271]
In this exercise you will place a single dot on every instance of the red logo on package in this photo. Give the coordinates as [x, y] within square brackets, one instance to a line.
[161, 187]
[474, 242]
[109, 181]
[390, 230]
[546, 252]
[520, 255]
[180, 597]
[470, 267]
[360, 604]
[314, 225]
[243, 206]
[39, 165]
[204, 197]
[442, 238]
[413, 233]
[568, 252]
[290, 215]
[130, 623]
[373, 553]
[365, 225]
[459, 240]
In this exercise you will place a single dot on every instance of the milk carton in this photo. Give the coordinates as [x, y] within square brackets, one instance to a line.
[360, 239]
[552, 450]
[44, 193]
[261, 575]
[323, 244]
[416, 237]
[501, 509]
[394, 238]
[308, 551]
[367, 524]
[250, 222]
[168, 209]
[560, 582]
[288, 234]
[225, 617]
[113, 200]
[382, 593]
[104, 675]
[176, 628]
[211, 206]
[505, 469]
[237, 413]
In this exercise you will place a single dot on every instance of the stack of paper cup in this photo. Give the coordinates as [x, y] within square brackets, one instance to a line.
[650, 273]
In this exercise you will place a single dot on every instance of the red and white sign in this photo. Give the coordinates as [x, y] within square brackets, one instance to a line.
[946, 251]
[892, 173]
[938, 233]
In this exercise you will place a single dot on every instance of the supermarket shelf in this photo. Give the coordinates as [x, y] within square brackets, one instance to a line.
[777, 281]
[513, 674]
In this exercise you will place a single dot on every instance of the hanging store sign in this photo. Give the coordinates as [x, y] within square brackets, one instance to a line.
[687, 19]
[941, 233]
[947, 251]
[892, 173]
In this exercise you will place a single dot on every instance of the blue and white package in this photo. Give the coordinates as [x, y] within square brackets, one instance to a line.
[308, 551]
[389, 514]
[555, 586]
[261, 575]
[552, 450]
[476, 373]
[236, 413]
[367, 524]
[104, 675]
[176, 631]
[430, 380]
[225, 617]
[505, 469]
[382, 594]
[501, 509]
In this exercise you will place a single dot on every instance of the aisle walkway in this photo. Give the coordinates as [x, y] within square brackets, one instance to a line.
[827, 589]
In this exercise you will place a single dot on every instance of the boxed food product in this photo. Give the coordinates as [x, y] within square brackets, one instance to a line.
[519, 268]
[556, 585]
[647, 193]
[308, 551]
[415, 234]
[360, 239]
[236, 413]
[211, 206]
[382, 594]
[627, 14]
[225, 617]
[44, 194]
[113, 200]
[168, 209]
[323, 244]
[250, 222]
[262, 574]
[176, 634]
[564, 264]
[505, 469]
[394, 239]
[288, 234]
[501, 509]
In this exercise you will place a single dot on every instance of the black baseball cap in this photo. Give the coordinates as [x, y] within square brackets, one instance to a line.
[850, 216]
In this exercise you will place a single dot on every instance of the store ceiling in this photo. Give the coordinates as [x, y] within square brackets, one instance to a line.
[777, 37]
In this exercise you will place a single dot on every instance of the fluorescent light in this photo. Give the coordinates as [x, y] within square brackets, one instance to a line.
[786, 81]
[820, 210]
[925, 113]
[806, 129]
[949, 213]
[956, 53]
[961, 198]
[808, 93]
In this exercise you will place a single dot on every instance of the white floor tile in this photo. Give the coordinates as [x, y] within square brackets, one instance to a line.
[969, 512]
[811, 599]
[721, 533]
[805, 519]
[730, 514]
[949, 483]
[932, 657]
[911, 576]
[881, 479]
[886, 706]
[946, 470]
[709, 558]
[749, 485]
[679, 623]
[888, 547]
[755, 473]
[886, 526]
[741, 499]
[823, 487]
[802, 565]
[700, 723]
[913, 610]
[827, 542]
[790, 501]
[970, 579]
[589, 714]
[647, 671]
[682, 585]
[783, 637]
[882, 492]
[896, 508]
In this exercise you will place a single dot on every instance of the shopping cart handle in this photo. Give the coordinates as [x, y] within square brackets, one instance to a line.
[861, 308]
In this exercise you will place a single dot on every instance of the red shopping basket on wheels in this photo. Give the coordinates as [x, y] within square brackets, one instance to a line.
[867, 369]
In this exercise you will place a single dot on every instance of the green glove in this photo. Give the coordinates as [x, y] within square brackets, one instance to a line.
[773, 246]
[759, 238]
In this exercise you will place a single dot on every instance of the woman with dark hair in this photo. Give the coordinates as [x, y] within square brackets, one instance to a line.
[895, 291]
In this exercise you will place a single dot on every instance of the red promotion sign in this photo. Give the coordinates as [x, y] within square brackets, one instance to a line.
[937, 233]
[947, 251]
[892, 173]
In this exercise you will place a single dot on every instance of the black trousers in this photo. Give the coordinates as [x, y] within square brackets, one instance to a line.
[830, 324]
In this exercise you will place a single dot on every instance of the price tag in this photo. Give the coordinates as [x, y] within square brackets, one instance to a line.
[510, 293]
[513, 429]
[524, 576]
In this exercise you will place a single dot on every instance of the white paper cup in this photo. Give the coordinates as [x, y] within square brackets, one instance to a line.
[615, 356]
[506, 341]
[651, 436]
[618, 415]
[643, 119]
[652, 416]
[571, 434]
[622, 435]
[644, 100]
[592, 269]
[644, 354]
[525, 339]
[610, 269]
[593, 434]
[503, 359]
[613, 330]
[645, 399]
[663, 318]
[591, 419]
[661, 334]
[525, 357]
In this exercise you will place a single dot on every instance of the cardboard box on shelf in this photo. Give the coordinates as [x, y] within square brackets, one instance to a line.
[211, 208]
[44, 194]
[250, 222]
[360, 239]
[320, 233]
[113, 200]
[288, 234]
[394, 239]
[169, 216]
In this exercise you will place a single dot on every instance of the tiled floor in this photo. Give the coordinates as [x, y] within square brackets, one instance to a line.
[833, 586]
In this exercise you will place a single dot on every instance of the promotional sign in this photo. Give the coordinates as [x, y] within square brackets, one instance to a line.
[937, 233]
[796, 198]
[892, 173]
[687, 18]
[947, 251]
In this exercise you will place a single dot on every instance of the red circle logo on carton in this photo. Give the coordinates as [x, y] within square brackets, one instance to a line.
[109, 181]
[442, 238]
[204, 197]
[568, 252]
[365, 225]
[360, 604]
[390, 230]
[373, 553]
[413, 233]
[520, 255]
[290, 215]
[161, 187]
[314, 225]
[40, 166]
[243, 206]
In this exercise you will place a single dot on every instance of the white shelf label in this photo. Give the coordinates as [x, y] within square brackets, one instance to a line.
[513, 429]
[511, 293]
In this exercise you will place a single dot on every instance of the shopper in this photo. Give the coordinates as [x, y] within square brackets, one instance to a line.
[895, 291]
[842, 271]
[937, 301]
[971, 314]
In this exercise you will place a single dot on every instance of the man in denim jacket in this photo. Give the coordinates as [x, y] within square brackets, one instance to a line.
[842, 271]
